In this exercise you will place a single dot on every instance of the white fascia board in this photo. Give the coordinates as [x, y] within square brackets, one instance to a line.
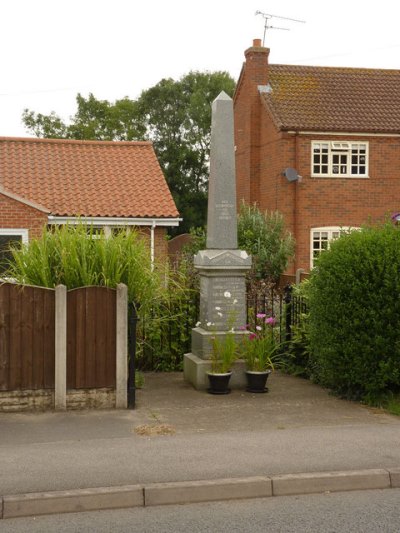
[343, 134]
[115, 221]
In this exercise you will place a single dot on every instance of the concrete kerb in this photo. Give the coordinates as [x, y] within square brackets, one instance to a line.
[80, 500]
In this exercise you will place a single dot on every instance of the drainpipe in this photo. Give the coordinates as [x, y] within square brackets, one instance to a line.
[296, 194]
[153, 225]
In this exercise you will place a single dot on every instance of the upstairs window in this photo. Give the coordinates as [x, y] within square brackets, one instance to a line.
[339, 159]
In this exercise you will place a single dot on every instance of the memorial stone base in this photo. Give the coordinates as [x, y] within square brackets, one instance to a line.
[195, 372]
[222, 306]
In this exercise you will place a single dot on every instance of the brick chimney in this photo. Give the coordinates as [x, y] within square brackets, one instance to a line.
[248, 110]
[257, 63]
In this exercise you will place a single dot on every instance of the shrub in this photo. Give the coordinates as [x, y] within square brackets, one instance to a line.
[297, 353]
[76, 257]
[164, 331]
[263, 236]
[355, 314]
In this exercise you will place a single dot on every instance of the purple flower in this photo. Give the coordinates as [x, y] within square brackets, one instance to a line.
[261, 315]
[271, 321]
[243, 328]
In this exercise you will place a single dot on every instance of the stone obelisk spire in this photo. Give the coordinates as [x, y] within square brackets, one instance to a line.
[222, 267]
[221, 215]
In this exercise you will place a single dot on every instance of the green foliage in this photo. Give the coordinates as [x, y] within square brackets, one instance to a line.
[263, 236]
[174, 115]
[164, 331]
[224, 352]
[297, 353]
[355, 313]
[177, 118]
[76, 256]
[260, 348]
[94, 120]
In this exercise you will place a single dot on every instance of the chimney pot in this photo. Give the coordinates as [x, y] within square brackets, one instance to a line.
[257, 42]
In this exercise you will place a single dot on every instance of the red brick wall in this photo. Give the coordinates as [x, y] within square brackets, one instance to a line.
[14, 214]
[160, 240]
[346, 201]
[263, 153]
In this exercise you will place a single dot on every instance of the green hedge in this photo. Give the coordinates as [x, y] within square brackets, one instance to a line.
[354, 317]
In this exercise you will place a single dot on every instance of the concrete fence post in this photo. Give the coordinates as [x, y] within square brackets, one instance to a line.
[121, 392]
[60, 385]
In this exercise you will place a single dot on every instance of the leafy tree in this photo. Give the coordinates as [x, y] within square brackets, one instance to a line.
[94, 119]
[174, 115]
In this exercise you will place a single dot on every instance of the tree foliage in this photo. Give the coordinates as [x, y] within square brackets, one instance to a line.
[174, 115]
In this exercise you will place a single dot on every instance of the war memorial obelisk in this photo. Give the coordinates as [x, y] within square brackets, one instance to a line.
[222, 267]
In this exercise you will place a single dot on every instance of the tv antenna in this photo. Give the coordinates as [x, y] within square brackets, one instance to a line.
[267, 17]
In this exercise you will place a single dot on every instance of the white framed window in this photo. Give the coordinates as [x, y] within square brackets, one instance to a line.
[9, 237]
[339, 159]
[321, 239]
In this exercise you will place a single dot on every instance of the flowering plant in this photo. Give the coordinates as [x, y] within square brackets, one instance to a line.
[224, 346]
[259, 348]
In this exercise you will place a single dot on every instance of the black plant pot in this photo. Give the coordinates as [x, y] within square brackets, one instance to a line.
[219, 383]
[256, 381]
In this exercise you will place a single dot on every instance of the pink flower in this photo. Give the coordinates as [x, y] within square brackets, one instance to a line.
[252, 336]
[243, 328]
[261, 315]
[271, 321]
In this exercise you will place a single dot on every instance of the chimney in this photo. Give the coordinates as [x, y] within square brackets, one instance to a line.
[257, 63]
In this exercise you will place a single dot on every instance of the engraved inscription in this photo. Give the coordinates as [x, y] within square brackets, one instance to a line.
[224, 210]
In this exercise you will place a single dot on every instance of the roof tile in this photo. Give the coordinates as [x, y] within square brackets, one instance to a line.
[334, 99]
[86, 178]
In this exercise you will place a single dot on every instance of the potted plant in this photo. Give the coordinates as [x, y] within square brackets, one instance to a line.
[224, 353]
[259, 351]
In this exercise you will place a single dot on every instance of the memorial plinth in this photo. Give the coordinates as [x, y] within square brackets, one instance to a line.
[222, 267]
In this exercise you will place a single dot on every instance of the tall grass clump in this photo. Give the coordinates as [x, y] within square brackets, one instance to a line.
[76, 256]
[354, 320]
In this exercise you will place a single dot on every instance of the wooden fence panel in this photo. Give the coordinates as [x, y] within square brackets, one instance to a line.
[4, 336]
[26, 337]
[91, 331]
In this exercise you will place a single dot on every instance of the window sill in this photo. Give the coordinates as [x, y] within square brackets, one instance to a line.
[335, 176]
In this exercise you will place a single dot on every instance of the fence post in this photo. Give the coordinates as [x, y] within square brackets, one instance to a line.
[60, 381]
[121, 400]
[288, 312]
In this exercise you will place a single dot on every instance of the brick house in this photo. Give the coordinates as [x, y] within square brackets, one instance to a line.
[110, 185]
[319, 144]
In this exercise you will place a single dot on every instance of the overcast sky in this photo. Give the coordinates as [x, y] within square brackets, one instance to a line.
[53, 49]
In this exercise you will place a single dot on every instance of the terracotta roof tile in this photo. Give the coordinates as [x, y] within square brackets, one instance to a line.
[334, 99]
[86, 178]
